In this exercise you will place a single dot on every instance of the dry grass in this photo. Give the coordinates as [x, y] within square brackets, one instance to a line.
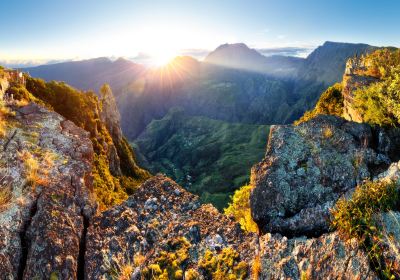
[37, 168]
[125, 269]
[4, 113]
[256, 268]
[21, 103]
[327, 132]
[5, 196]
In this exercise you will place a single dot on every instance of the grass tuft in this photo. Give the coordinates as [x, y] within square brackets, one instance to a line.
[355, 218]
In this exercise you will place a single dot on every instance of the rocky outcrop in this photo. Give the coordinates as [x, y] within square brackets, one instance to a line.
[325, 257]
[158, 213]
[355, 77]
[109, 113]
[306, 169]
[46, 172]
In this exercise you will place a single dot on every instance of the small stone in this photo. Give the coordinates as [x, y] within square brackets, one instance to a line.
[177, 192]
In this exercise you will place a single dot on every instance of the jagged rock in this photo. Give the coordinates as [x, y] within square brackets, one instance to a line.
[306, 169]
[389, 226]
[157, 213]
[42, 227]
[4, 84]
[109, 113]
[326, 257]
[355, 77]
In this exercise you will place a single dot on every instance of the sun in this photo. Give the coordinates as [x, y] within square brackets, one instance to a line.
[163, 58]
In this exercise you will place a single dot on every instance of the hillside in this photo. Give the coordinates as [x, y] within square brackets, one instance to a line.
[115, 170]
[207, 157]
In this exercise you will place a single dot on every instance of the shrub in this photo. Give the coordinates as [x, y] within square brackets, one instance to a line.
[107, 188]
[378, 103]
[239, 208]
[170, 263]
[354, 218]
[330, 103]
[225, 265]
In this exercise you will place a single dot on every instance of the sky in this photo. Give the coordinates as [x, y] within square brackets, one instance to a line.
[44, 31]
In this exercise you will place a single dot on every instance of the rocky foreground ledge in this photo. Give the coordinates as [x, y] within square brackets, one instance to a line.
[50, 227]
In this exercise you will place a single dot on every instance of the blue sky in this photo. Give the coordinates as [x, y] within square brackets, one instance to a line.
[58, 30]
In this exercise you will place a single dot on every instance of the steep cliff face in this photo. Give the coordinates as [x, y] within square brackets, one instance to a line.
[45, 195]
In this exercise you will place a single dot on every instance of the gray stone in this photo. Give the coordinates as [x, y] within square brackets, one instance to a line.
[306, 169]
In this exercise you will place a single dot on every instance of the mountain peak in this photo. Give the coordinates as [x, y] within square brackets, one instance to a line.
[234, 45]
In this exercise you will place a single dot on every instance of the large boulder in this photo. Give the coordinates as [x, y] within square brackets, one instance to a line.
[306, 169]
[325, 257]
[46, 177]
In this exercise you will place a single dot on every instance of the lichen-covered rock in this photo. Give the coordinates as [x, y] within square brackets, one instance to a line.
[389, 241]
[326, 257]
[155, 216]
[306, 169]
[46, 165]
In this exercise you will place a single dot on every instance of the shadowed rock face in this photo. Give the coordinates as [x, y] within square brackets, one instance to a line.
[159, 212]
[306, 169]
[43, 223]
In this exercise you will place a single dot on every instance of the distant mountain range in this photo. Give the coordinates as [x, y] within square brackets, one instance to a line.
[91, 73]
[240, 56]
[233, 85]
[286, 86]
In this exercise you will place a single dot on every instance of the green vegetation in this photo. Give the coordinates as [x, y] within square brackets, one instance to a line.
[83, 108]
[225, 265]
[174, 263]
[355, 218]
[379, 103]
[170, 264]
[240, 209]
[19, 92]
[208, 157]
[330, 103]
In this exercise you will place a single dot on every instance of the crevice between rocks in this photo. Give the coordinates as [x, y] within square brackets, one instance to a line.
[82, 249]
[25, 242]
[9, 140]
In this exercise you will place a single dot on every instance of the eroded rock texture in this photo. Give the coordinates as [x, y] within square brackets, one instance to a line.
[306, 169]
[45, 167]
[157, 213]
[325, 257]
